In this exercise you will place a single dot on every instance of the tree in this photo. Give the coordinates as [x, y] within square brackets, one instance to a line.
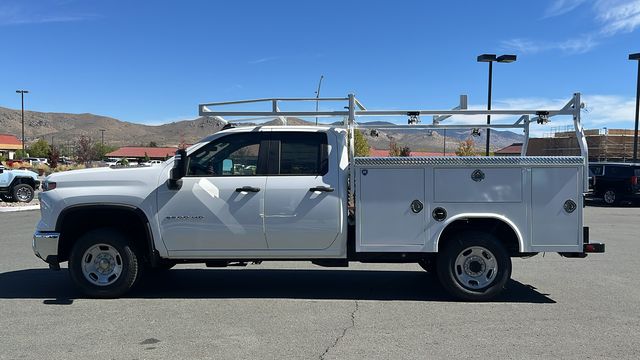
[405, 151]
[101, 150]
[40, 149]
[153, 144]
[84, 150]
[54, 157]
[146, 157]
[20, 154]
[362, 148]
[466, 148]
[394, 149]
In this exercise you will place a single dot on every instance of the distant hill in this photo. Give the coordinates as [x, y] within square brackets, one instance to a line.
[67, 128]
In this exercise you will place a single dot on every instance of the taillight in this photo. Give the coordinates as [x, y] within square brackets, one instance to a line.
[48, 185]
[634, 180]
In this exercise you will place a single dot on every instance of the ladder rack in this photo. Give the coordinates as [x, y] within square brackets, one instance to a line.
[354, 109]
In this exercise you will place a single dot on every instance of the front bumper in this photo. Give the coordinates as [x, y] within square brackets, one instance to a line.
[45, 246]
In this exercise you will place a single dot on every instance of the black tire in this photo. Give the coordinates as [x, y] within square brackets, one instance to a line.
[23, 193]
[83, 259]
[477, 279]
[610, 197]
[7, 198]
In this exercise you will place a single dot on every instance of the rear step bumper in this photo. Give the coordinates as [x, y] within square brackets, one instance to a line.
[590, 248]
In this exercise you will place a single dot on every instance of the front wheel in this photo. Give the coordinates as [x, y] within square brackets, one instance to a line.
[474, 266]
[103, 264]
[23, 193]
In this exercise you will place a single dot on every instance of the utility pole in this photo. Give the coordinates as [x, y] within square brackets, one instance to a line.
[102, 133]
[318, 95]
[22, 92]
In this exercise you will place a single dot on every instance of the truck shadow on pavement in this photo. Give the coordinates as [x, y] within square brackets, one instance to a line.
[55, 288]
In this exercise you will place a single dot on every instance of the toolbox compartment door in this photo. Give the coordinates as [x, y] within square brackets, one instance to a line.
[384, 215]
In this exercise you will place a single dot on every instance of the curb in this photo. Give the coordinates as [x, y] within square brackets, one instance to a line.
[18, 208]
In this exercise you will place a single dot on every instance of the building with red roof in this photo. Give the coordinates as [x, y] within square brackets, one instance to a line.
[139, 152]
[512, 150]
[8, 145]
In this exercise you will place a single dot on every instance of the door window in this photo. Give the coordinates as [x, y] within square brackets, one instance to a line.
[300, 154]
[231, 155]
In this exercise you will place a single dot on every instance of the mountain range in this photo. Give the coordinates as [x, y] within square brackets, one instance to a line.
[64, 128]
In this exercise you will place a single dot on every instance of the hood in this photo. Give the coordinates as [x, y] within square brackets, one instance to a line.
[107, 176]
[25, 173]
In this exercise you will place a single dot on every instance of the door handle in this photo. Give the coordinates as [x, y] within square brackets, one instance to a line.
[321, 188]
[247, 189]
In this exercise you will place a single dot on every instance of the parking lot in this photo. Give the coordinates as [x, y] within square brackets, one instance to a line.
[554, 308]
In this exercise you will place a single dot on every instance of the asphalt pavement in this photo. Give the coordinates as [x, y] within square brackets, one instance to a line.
[554, 308]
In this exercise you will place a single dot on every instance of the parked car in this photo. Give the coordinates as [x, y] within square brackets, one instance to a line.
[152, 162]
[615, 182]
[17, 185]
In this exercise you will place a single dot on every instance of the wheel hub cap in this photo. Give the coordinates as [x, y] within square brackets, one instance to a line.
[475, 267]
[101, 264]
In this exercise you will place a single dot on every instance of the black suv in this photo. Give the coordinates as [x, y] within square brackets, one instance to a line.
[614, 182]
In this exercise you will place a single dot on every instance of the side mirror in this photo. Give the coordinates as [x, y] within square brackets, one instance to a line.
[1, 169]
[179, 169]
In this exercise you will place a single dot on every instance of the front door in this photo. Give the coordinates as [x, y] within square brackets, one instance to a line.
[221, 202]
[302, 202]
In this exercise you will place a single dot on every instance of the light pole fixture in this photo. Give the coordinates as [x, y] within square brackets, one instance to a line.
[22, 92]
[636, 57]
[490, 58]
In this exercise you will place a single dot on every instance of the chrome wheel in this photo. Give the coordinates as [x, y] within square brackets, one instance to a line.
[24, 194]
[475, 267]
[102, 264]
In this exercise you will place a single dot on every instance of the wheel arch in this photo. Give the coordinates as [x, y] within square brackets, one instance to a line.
[76, 220]
[500, 226]
[23, 180]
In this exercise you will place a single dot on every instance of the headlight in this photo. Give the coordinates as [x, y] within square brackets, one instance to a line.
[48, 185]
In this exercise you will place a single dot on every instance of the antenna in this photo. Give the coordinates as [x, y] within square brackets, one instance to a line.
[318, 95]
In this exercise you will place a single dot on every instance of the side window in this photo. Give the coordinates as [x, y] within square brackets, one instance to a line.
[303, 153]
[231, 155]
[596, 170]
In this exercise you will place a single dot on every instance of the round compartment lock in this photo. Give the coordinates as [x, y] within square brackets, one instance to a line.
[570, 206]
[365, 172]
[439, 214]
[416, 206]
[477, 175]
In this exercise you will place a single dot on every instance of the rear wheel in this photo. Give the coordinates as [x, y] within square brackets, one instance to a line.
[103, 264]
[474, 266]
[23, 193]
[610, 197]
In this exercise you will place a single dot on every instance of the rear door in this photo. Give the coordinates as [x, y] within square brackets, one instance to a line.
[302, 203]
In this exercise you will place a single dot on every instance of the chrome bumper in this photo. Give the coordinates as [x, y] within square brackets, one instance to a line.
[45, 246]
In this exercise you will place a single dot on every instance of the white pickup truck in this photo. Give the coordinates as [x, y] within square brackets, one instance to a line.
[259, 193]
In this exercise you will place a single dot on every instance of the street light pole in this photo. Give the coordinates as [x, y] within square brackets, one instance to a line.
[636, 57]
[490, 58]
[22, 92]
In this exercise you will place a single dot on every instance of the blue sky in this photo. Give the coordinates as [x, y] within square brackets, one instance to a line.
[154, 61]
